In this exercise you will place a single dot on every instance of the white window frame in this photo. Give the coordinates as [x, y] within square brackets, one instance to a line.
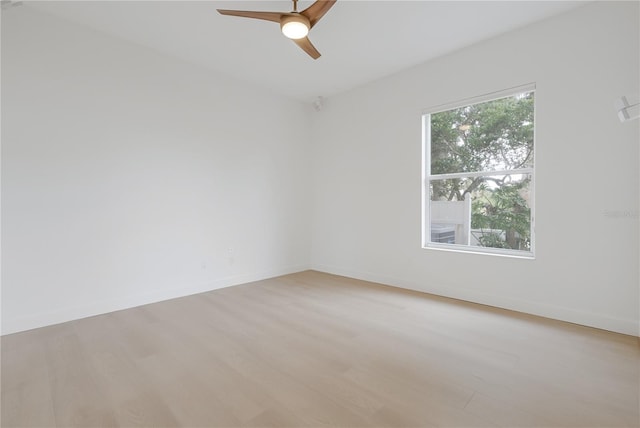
[427, 177]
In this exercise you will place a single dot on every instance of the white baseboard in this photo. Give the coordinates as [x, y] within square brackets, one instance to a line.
[603, 322]
[72, 313]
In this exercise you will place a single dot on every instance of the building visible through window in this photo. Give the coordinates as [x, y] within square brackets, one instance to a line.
[479, 174]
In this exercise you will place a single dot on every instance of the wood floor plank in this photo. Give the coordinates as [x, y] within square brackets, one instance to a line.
[28, 404]
[77, 399]
[312, 349]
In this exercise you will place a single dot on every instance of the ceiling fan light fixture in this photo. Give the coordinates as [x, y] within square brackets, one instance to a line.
[295, 27]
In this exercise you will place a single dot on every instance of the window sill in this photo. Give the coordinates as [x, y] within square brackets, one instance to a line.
[484, 251]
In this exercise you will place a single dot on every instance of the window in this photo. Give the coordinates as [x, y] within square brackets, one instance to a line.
[479, 174]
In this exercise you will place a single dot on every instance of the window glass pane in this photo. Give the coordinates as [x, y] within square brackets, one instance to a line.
[490, 136]
[487, 211]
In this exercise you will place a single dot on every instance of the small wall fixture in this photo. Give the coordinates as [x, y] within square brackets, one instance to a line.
[627, 111]
[318, 104]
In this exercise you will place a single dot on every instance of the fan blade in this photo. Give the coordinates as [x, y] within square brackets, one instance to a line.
[267, 16]
[317, 10]
[306, 46]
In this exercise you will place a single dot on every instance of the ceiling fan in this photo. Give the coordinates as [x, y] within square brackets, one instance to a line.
[294, 25]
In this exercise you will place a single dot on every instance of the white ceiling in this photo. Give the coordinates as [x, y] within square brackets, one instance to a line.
[360, 41]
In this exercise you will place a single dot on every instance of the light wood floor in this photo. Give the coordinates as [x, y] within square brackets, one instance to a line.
[312, 349]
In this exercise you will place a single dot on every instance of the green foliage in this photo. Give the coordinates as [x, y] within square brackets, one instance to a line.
[495, 136]
[503, 209]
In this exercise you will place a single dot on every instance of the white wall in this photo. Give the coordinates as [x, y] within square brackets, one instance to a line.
[127, 176]
[367, 181]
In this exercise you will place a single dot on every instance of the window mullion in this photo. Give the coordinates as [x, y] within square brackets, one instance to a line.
[480, 174]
